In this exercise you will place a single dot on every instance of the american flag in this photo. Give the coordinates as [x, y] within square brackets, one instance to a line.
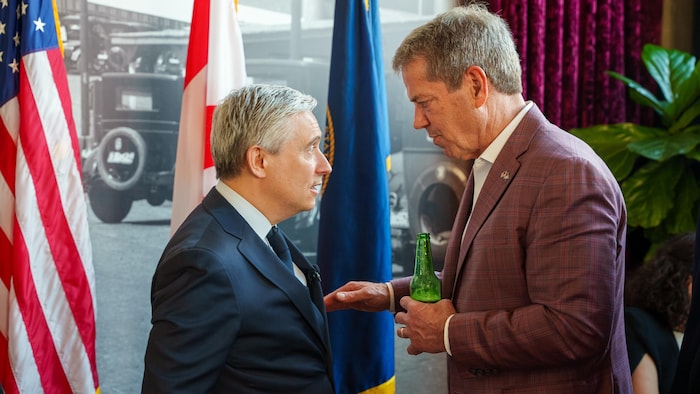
[47, 298]
[215, 65]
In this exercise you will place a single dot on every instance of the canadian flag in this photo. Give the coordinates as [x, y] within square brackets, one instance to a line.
[215, 66]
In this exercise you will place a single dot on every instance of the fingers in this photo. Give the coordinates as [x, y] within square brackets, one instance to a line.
[401, 318]
[412, 350]
[339, 300]
[332, 303]
[407, 302]
[400, 332]
[362, 296]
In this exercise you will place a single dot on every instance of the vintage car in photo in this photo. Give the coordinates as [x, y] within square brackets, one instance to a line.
[136, 118]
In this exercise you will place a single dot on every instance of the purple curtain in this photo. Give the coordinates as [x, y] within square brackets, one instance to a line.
[567, 45]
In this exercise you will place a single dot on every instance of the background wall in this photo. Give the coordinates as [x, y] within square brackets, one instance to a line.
[680, 26]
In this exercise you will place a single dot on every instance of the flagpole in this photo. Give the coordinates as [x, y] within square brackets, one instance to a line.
[84, 76]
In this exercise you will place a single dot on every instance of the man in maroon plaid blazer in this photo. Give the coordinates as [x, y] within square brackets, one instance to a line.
[534, 272]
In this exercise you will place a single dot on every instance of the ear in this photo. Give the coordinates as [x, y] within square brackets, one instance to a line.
[256, 161]
[479, 84]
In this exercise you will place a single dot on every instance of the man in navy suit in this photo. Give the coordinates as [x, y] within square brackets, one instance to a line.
[687, 378]
[228, 315]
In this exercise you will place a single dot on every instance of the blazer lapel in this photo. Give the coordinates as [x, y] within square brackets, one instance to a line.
[454, 244]
[502, 173]
[265, 261]
[313, 281]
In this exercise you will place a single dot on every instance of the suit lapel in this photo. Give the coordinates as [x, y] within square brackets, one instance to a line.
[313, 280]
[502, 174]
[453, 245]
[265, 261]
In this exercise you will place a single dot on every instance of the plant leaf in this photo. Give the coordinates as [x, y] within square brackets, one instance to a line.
[669, 68]
[663, 147]
[649, 192]
[687, 103]
[682, 218]
[640, 94]
[694, 155]
[687, 117]
[610, 143]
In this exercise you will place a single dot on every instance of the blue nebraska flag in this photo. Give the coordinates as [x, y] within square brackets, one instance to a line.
[354, 236]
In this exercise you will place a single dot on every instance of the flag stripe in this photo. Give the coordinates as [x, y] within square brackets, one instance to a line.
[7, 202]
[187, 188]
[28, 330]
[198, 48]
[225, 59]
[208, 160]
[9, 126]
[5, 255]
[9, 384]
[60, 80]
[22, 373]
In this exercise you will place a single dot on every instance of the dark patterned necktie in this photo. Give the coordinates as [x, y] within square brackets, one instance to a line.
[279, 245]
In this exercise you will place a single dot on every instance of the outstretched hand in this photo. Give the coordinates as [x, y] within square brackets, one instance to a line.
[361, 296]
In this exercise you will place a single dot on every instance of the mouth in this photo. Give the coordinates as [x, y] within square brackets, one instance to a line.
[316, 188]
[430, 137]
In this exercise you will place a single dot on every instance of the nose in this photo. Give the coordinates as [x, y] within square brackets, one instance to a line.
[420, 121]
[323, 167]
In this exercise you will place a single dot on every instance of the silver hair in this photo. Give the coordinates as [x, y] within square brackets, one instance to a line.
[253, 115]
[460, 38]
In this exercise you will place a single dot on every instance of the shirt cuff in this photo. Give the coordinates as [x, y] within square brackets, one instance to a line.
[392, 307]
[446, 335]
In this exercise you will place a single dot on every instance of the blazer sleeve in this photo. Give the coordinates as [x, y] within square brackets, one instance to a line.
[191, 334]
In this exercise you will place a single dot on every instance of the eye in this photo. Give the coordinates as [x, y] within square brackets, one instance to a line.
[423, 103]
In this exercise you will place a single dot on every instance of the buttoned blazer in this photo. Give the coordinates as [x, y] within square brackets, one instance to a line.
[228, 317]
[537, 279]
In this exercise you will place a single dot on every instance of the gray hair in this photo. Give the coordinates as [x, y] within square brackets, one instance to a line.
[460, 38]
[253, 115]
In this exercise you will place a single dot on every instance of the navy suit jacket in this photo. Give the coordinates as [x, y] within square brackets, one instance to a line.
[687, 378]
[228, 317]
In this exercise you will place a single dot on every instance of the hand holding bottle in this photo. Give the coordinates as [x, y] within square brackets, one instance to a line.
[424, 324]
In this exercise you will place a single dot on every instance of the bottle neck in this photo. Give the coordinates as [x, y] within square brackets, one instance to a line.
[424, 260]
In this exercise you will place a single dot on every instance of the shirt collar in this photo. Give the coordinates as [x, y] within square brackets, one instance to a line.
[255, 219]
[492, 151]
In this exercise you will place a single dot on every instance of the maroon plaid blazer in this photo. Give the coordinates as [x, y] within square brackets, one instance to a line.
[538, 279]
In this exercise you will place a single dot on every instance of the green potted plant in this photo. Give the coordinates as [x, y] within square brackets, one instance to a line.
[658, 167]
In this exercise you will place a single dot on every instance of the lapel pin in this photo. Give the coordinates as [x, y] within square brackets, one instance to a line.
[505, 175]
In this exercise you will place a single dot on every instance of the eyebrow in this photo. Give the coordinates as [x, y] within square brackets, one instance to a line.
[314, 140]
[420, 97]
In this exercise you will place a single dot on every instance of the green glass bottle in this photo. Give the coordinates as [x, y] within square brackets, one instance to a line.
[425, 285]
